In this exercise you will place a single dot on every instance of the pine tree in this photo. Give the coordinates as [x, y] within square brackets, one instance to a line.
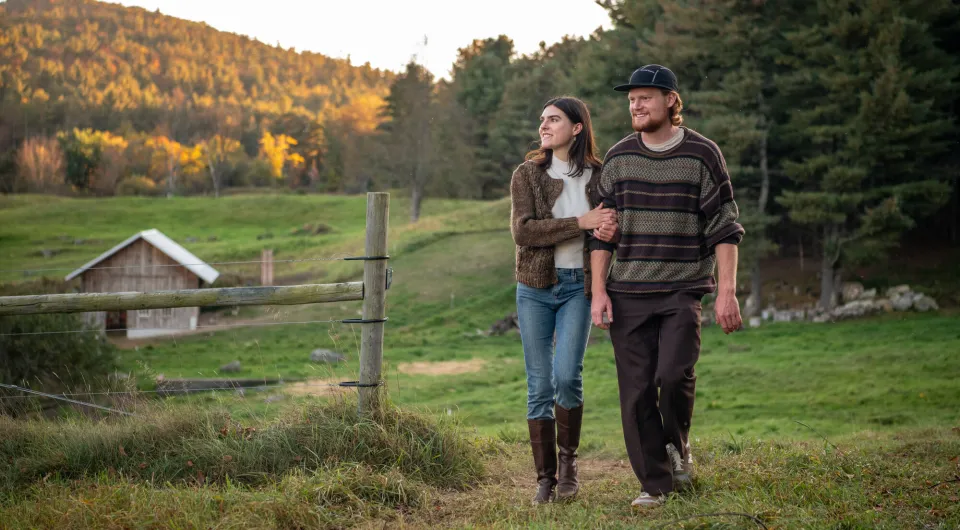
[410, 110]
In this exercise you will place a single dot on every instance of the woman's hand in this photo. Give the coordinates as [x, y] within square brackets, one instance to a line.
[597, 217]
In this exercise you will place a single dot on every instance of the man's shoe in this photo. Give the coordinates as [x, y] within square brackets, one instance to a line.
[645, 500]
[682, 467]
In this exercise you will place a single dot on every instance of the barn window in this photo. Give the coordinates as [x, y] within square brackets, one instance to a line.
[143, 315]
[166, 313]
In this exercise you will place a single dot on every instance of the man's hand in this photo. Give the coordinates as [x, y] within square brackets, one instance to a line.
[728, 312]
[606, 232]
[599, 307]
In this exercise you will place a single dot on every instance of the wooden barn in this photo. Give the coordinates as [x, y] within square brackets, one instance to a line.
[147, 261]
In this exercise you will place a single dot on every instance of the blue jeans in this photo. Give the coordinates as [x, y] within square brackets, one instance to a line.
[562, 308]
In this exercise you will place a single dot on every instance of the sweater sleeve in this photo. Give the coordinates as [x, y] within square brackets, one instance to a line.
[717, 205]
[526, 229]
[602, 193]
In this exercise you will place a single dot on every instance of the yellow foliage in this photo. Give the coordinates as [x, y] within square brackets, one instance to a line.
[276, 151]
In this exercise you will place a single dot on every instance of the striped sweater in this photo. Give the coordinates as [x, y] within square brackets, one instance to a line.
[673, 208]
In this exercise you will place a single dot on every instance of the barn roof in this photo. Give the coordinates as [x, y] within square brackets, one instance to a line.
[163, 244]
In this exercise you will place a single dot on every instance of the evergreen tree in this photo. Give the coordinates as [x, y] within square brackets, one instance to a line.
[870, 89]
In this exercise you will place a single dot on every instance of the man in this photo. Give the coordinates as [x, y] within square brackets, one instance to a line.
[677, 224]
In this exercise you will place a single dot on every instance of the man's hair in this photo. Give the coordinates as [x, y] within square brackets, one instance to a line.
[676, 118]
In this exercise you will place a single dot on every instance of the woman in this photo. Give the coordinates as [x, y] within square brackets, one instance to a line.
[550, 212]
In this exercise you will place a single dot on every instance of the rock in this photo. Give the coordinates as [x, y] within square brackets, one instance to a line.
[266, 235]
[883, 305]
[755, 322]
[191, 240]
[856, 309]
[851, 291]
[274, 398]
[897, 291]
[231, 367]
[901, 302]
[212, 238]
[79, 241]
[869, 294]
[49, 253]
[321, 355]
[505, 324]
[925, 303]
[783, 316]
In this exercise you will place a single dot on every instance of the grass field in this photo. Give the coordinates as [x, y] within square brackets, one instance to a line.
[884, 391]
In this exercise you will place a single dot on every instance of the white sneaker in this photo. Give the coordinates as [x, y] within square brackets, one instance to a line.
[681, 469]
[645, 500]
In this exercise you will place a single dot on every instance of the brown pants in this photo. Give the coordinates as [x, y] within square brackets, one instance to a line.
[656, 342]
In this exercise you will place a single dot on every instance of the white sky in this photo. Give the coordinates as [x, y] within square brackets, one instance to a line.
[388, 33]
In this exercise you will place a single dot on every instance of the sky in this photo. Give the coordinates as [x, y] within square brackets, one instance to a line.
[387, 33]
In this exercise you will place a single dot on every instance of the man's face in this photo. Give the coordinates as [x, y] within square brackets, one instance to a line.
[650, 109]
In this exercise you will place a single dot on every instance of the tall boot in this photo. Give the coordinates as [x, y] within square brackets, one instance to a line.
[568, 439]
[543, 441]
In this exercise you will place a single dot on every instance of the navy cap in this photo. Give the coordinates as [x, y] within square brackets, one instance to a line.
[651, 75]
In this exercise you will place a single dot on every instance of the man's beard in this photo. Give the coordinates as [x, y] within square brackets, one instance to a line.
[651, 126]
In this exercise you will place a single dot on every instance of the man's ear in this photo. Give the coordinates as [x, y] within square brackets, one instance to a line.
[671, 99]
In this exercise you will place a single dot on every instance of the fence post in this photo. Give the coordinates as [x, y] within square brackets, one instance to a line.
[266, 267]
[374, 300]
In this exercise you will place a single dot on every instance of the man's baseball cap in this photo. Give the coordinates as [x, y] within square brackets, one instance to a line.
[651, 75]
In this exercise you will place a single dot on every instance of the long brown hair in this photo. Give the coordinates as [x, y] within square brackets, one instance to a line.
[583, 152]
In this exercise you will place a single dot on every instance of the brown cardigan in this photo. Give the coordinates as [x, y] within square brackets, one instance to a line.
[535, 231]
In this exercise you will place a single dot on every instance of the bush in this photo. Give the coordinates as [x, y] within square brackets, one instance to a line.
[51, 362]
[138, 185]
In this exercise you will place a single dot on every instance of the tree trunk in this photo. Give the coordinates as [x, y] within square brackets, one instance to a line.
[955, 221]
[415, 201]
[214, 178]
[829, 273]
[752, 306]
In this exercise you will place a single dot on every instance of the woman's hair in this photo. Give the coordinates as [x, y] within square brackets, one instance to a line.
[583, 152]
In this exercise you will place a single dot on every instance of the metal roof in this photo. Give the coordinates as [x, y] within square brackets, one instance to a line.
[164, 244]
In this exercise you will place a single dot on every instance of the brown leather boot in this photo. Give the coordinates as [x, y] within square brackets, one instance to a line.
[568, 439]
[543, 441]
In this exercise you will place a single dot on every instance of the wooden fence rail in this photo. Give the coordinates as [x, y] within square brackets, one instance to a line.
[226, 296]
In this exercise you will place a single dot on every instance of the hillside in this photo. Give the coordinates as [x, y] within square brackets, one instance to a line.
[88, 64]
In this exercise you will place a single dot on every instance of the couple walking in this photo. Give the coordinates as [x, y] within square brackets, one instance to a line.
[662, 200]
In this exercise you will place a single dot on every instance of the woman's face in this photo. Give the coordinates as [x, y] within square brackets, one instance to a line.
[556, 129]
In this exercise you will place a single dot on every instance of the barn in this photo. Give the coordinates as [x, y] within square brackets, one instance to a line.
[145, 262]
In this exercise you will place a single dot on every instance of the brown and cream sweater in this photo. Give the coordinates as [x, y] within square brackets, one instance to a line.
[535, 231]
[673, 208]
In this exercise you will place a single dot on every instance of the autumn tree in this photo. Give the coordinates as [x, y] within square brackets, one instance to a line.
[40, 166]
[276, 150]
[218, 152]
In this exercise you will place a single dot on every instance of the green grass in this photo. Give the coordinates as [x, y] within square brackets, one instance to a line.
[78, 230]
[883, 390]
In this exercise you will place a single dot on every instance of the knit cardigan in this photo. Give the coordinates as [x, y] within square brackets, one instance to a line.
[534, 229]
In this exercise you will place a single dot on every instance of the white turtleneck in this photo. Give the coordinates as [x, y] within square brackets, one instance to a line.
[571, 203]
